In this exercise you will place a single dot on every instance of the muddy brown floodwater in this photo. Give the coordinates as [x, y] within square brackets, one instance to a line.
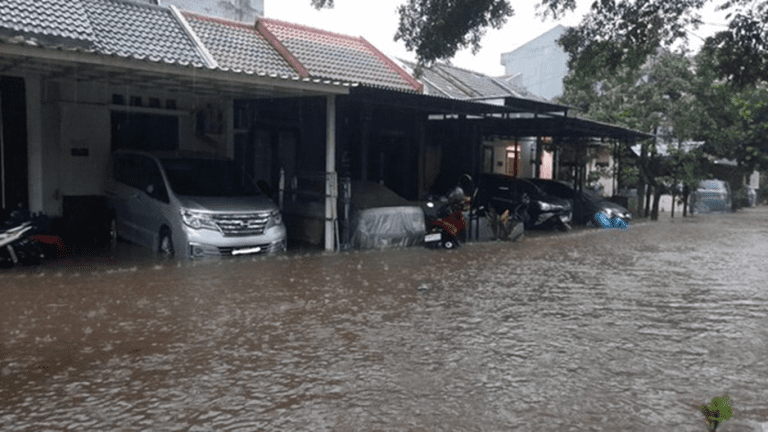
[590, 330]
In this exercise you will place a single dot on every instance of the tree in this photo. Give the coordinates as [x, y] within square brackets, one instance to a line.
[656, 97]
[626, 33]
[734, 118]
[437, 29]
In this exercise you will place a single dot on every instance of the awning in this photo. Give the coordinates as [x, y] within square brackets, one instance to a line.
[517, 117]
[431, 104]
[559, 127]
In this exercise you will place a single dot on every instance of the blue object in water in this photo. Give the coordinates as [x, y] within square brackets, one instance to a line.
[603, 220]
[618, 223]
[608, 223]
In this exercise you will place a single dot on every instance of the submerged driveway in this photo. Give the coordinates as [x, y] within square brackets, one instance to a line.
[592, 330]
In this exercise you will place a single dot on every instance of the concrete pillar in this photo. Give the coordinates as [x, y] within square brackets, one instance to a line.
[32, 86]
[331, 189]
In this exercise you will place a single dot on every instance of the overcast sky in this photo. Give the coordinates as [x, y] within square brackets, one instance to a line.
[376, 21]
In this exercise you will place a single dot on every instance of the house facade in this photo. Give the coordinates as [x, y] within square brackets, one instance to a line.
[93, 76]
[82, 78]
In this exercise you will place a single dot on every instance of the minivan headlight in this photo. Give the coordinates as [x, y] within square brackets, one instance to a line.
[275, 219]
[198, 220]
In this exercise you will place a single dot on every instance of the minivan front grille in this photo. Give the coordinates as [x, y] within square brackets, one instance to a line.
[242, 224]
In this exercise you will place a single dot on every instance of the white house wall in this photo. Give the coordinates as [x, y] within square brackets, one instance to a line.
[603, 155]
[63, 115]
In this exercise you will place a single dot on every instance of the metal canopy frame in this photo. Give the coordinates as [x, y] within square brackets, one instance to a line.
[517, 117]
[559, 127]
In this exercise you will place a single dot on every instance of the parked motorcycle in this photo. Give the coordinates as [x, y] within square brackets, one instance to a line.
[444, 215]
[22, 244]
[445, 220]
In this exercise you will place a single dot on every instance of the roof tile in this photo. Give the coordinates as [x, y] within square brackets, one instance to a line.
[140, 30]
[238, 46]
[339, 57]
[55, 19]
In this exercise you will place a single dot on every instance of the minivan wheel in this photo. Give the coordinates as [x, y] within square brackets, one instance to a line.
[165, 246]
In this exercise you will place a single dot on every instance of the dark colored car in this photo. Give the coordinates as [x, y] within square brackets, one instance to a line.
[585, 203]
[536, 208]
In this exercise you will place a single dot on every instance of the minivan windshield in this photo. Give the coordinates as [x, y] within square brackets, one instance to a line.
[208, 177]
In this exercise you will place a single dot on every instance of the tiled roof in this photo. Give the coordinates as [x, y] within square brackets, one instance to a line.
[238, 46]
[338, 57]
[126, 28]
[47, 19]
[111, 27]
[140, 30]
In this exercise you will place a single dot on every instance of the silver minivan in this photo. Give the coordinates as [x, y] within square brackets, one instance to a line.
[190, 205]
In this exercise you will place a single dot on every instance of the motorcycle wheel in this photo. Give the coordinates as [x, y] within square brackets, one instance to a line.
[450, 243]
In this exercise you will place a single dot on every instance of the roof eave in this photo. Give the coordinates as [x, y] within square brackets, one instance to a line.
[162, 69]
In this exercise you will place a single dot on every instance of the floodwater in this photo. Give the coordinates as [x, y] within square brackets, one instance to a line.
[589, 330]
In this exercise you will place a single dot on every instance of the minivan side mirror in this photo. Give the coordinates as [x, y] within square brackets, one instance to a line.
[150, 189]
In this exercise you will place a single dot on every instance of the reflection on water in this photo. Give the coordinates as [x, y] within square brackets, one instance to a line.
[592, 330]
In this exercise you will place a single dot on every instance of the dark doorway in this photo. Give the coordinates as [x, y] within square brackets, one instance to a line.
[13, 144]
[140, 131]
[253, 152]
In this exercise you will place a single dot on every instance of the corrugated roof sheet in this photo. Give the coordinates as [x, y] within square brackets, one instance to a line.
[140, 30]
[456, 83]
[438, 84]
[238, 46]
[481, 85]
[47, 19]
[339, 57]
[512, 83]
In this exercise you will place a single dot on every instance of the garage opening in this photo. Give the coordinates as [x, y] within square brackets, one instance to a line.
[13, 145]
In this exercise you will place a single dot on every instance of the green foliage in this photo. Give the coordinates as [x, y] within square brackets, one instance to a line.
[648, 98]
[319, 4]
[437, 29]
[718, 412]
[740, 199]
[734, 118]
[625, 33]
[658, 97]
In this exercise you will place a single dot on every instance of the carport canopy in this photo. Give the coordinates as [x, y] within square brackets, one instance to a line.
[516, 117]
[81, 65]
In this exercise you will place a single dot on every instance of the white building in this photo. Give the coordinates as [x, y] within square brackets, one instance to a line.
[541, 64]
[245, 11]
